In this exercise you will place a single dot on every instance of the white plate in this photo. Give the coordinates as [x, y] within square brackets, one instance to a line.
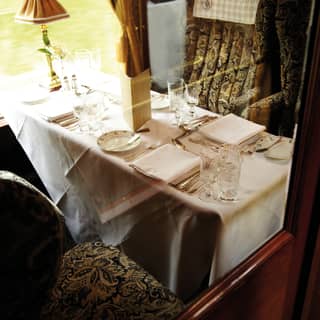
[34, 96]
[117, 141]
[159, 101]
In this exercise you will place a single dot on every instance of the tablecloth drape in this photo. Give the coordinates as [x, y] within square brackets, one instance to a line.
[178, 238]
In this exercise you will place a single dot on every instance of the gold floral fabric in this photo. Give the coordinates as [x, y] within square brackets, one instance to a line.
[100, 282]
[221, 57]
[41, 280]
[236, 65]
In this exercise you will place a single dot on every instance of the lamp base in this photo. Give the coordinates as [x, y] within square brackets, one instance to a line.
[54, 84]
[51, 83]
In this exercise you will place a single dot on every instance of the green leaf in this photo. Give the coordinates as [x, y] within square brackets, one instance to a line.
[45, 50]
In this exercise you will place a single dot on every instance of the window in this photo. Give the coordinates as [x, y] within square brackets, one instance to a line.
[92, 24]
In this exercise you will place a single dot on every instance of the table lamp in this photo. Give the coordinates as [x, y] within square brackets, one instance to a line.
[43, 12]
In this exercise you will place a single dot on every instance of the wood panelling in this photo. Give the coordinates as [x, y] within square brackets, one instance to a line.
[305, 173]
[254, 290]
[311, 281]
[311, 309]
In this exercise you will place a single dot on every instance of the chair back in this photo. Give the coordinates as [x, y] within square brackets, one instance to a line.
[31, 238]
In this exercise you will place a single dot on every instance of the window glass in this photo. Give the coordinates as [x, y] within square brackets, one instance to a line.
[249, 64]
[92, 24]
[241, 68]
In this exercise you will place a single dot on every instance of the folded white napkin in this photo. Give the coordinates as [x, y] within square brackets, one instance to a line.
[168, 163]
[231, 129]
[56, 107]
[239, 11]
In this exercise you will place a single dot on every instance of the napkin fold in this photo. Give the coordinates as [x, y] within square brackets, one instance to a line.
[168, 163]
[238, 11]
[231, 129]
[56, 108]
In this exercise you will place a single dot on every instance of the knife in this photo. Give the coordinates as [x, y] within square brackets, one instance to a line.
[133, 139]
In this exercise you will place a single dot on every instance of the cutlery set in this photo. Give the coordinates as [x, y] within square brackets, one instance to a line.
[69, 122]
[191, 127]
[191, 184]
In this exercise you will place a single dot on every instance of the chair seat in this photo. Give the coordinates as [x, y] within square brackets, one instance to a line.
[99, 282]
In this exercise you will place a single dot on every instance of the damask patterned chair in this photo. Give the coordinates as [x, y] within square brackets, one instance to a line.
[251, 70]
[89, 281]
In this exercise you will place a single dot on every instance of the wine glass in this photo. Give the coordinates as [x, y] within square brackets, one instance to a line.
[176, 98]
[192, 96]
[82, 61]
[89, 108]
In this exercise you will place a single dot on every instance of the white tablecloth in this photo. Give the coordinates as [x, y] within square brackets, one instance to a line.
[181, 240]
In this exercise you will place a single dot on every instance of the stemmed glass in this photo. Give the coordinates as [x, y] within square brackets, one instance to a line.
[182, 100]
[81, 65]
[176, 98]
[192, 96]
[87, 64]
[82, 59]
[89, 109]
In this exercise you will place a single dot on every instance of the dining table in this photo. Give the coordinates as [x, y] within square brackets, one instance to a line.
[185, 242]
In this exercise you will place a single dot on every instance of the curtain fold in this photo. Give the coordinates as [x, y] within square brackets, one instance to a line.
[131, 15]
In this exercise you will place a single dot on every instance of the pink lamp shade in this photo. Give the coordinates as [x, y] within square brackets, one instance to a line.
[40, 12]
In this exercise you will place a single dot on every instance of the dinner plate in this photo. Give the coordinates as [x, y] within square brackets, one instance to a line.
[118, 141]
[34, 96]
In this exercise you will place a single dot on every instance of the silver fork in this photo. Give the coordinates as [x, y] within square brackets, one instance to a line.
[191, 127]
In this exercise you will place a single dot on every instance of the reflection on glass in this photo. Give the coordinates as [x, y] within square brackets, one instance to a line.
[240, 69]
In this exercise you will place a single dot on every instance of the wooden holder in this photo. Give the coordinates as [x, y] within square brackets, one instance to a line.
[136, 99]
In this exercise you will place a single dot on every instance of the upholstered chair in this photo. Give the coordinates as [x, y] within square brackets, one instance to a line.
[251, 70]
[89, 281]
